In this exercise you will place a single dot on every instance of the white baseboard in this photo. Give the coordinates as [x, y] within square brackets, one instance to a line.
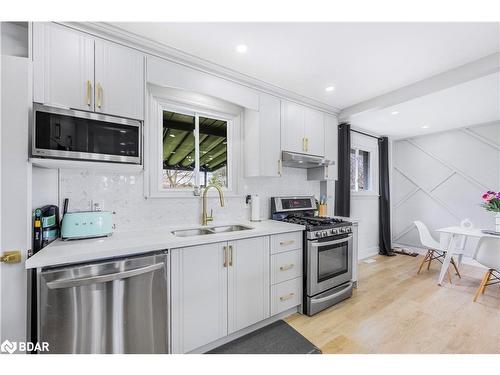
[368, 252]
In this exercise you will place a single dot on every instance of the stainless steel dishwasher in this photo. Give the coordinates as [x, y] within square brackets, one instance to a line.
[114, 306]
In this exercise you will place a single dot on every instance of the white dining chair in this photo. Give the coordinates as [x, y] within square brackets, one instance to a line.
[434, 249]
[488, 254]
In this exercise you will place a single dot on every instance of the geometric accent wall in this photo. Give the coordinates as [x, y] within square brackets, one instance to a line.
[439, 179]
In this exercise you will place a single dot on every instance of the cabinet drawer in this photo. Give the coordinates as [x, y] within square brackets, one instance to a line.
[286, 266]
[286, 295]
[285, 242]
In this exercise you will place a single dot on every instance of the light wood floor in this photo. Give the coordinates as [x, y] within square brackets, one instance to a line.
[394, 310]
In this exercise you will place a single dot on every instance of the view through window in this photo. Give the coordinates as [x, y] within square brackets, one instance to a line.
[360, 170]
[181, 168]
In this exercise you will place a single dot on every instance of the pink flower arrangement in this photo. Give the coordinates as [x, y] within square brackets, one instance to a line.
[491, 201]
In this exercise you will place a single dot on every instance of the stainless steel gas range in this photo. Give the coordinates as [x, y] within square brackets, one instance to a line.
[328, 252]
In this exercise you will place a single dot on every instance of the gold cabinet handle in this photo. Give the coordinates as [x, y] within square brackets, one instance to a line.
[280, 167]
[307, 144]
[303, 144]
[230, 255]
[286, 243]
[11, 257]
[287, 267]
[326, 171]
[287, 297]
[89, 93]
[225, 256]
[99, 95]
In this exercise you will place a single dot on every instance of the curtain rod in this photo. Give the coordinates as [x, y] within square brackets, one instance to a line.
[368, 135]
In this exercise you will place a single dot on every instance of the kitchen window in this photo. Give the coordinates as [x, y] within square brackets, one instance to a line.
[360, 170]
[194, 150]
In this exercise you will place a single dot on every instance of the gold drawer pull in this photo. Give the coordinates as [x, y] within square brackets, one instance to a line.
[89, 93]
[287, 297]
[287, 267]
[286, 243]
[225, 256]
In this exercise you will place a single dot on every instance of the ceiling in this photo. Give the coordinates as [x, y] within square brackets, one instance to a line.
[467, 104]
[361, 60]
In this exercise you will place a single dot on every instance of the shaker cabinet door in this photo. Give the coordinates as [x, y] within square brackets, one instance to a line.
[119, 80]
[63, 67]
[248, 282]
[314, 132]
[198, 296]
[292, 127]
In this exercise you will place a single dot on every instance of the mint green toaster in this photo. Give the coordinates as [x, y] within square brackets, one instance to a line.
[86, 224]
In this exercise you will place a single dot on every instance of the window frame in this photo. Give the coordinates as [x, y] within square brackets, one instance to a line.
[363, 143]
[155, 137]
[370, 170]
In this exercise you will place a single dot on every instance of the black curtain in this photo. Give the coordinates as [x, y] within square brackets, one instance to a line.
[384, 205]
[343, 184]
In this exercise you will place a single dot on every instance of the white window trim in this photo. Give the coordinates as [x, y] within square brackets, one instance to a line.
[153, 147]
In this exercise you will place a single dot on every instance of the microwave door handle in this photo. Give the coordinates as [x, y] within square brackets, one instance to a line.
[58, 284]
[319, 244]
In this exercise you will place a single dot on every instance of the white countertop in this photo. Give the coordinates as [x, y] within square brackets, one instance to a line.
[141, 241]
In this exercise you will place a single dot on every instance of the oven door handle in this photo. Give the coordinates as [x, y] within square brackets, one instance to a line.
[319, 244]
[332, 296]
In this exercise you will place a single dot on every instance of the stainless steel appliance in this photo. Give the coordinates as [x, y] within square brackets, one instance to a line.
[328, 252]
[71, 134]
[297, 160]
[114, 306]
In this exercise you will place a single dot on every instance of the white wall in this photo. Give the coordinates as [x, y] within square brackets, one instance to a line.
[439, 179]
[364, 205]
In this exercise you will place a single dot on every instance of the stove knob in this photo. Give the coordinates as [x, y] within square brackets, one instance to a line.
[317, 234]
[325, 233]
[342, 230]
[348, 230]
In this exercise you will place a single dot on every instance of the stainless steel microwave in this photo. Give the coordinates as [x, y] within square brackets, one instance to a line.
[71, 134]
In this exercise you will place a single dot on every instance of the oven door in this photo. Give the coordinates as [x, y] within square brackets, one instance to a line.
[329, 264]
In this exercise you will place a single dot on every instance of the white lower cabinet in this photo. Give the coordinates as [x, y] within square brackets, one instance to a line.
[217, 289]
[198, 296]
[248, 283]
[286, 295]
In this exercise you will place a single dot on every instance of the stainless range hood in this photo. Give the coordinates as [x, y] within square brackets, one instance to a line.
[296, 160]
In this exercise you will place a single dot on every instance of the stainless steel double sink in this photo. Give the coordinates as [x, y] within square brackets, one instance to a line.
[209, 230]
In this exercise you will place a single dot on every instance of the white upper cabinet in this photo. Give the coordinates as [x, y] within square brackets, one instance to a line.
[63, 62]
[262, 138]
[248, 282]
[314, 132]
[331, 146]
[302, 129]
[292, 127]
[119, 80]
[78, 71]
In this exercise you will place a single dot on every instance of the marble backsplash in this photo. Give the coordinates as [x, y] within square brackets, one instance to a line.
[124, 194]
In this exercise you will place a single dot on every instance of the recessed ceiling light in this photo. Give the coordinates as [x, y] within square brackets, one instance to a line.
[330, 89]
[425, 126]
[394, 113]
[241, 48]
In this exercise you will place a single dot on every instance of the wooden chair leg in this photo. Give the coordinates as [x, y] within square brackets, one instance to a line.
[423, 261]
[482, 285]
[456, 268]
[449, 275]
[487, 281]
[430, 259]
